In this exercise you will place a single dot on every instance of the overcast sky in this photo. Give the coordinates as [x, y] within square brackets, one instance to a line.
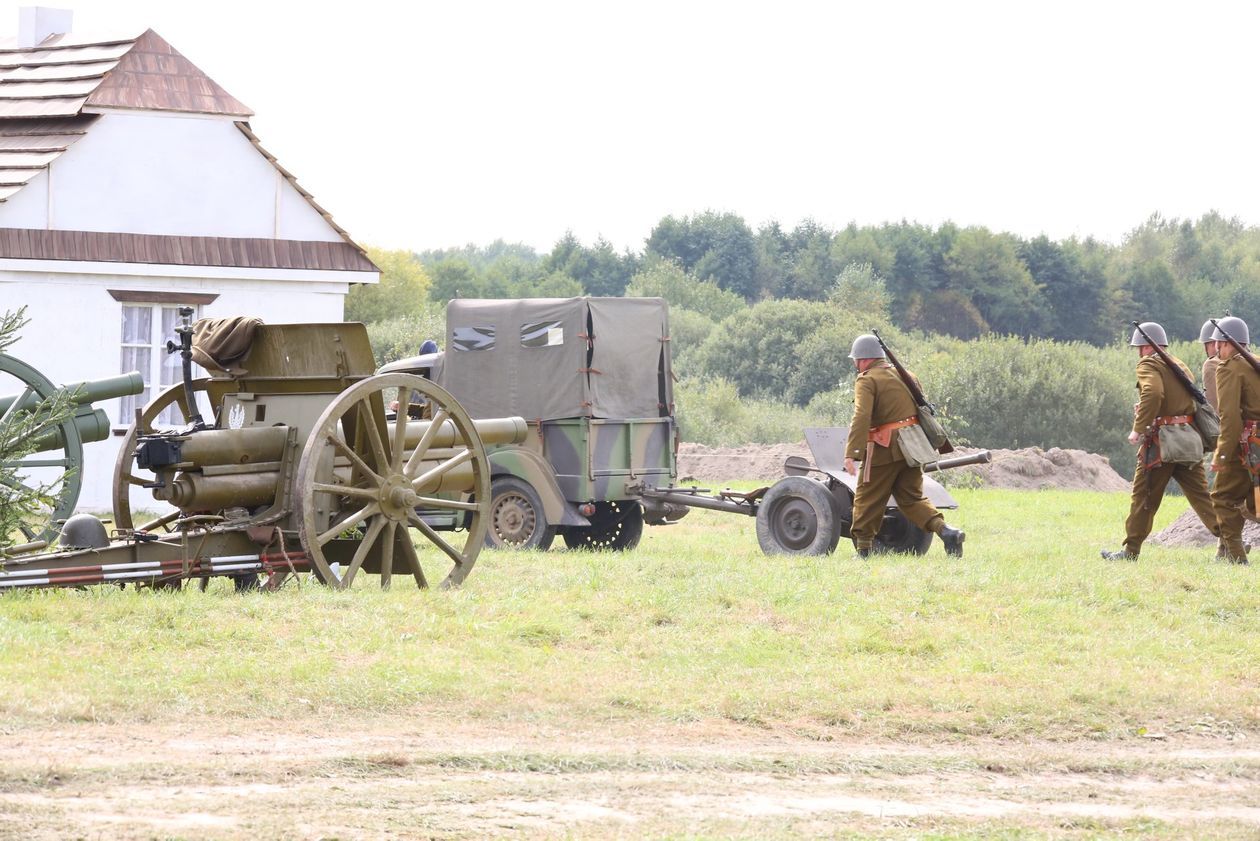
[423, 125]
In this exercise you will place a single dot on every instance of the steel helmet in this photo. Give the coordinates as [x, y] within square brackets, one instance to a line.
[866, 346]
[429, 346]
[1153, 330]
[83, 531]
[1235, 327]
[1206, 331]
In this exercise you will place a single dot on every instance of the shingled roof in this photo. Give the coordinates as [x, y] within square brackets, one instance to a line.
[51, 94]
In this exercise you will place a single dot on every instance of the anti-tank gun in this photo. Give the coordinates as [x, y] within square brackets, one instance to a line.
[301, 468]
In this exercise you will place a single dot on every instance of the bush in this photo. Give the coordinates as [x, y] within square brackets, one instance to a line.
[399, 338]
[688, 331]
[402, 291]
[712, 412]
[666, 279]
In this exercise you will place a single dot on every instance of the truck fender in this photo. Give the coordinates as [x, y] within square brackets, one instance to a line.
[530, 467]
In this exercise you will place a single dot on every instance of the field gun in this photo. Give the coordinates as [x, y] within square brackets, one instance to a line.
[809, 510]
[54, 458]
[299, 466]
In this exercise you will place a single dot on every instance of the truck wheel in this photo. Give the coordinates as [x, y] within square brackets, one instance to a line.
[517, 520]
[897, 534]
[615, 525]
[798, 516]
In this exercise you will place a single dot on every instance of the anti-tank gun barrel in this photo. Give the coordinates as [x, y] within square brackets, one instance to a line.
[982, 457]
[92, 423]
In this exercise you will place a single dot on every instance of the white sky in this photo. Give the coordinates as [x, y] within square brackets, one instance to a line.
[432, 124]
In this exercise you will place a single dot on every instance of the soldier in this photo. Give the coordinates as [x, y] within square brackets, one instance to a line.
[883, 406]
[1209, 364]
[1162, 401]
[1238, 390]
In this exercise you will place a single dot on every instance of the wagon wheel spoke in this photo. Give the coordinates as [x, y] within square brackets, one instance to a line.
[455, 504]
[413, 560]
[39, 462]
[133, 479]
[387, 553]
[368, 421]
[440, 417]
[446, 466]
[346, 450]
[400, 429]
[365, 546]
[349, 522]
[16, 404]
[160, 522]
[346, 490]
[435, 538]
[17, 485]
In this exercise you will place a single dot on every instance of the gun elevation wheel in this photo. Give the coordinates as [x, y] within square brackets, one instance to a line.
[366, 494]
[56, 472]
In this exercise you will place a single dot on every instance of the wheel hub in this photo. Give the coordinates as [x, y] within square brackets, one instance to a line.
[795, 523]
[514, 519]
[397, 497]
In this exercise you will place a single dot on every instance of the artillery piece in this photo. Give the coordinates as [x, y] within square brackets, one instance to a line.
[55, 457]
[302, 469]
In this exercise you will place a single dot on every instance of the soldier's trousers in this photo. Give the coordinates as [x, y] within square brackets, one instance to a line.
[1147, 496]
[902, 482]
[1231, 493]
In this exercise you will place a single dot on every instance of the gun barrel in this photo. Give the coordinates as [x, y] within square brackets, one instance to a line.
[982, 457]
[82, 393]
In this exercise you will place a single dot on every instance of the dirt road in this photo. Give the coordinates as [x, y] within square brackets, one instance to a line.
[408, 778]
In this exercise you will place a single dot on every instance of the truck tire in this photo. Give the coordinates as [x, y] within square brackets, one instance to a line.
[517, 520]
[616, 525]
[897, 534]
[798, 516]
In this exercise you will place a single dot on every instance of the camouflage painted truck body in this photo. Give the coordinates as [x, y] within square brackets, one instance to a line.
[593, 377]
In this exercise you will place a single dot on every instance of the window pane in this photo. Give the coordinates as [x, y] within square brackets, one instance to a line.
[542, 334]
[128, 404]
[473, 338]
[172, 365]
[137, 359]
[137, 326]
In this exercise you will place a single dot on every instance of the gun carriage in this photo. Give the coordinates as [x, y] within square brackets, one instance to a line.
[301, 467]
[60, 420]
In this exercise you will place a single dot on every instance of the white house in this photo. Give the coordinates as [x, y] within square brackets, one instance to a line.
[130, 185]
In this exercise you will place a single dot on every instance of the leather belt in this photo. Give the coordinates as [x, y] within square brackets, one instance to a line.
[882, 434]
[1174, 420]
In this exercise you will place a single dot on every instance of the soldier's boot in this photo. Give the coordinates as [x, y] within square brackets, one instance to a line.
[1122, 555]
[953, 540]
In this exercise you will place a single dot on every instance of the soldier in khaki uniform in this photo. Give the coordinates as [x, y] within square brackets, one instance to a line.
[1238, 390]
[1162, 400]
[1209, 364]
[882, 407]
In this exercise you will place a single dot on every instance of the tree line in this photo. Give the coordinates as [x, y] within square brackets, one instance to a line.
[959, 281]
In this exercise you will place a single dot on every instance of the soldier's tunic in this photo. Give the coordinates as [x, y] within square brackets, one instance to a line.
[1209, 379]
[1161, 396]
[882, 398]
[1238, 389]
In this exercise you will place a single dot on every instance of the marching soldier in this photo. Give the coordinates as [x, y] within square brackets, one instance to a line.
[882, 408]
[1238, 390]
[1163, 401]
[1209, 364]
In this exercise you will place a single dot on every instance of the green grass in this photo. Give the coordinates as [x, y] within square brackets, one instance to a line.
[1030, 635]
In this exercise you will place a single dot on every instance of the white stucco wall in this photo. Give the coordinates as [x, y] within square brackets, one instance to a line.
[75, 331]
[166, 174]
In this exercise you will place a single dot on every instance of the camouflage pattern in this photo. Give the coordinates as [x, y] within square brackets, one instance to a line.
[525, 464]
[595, 459]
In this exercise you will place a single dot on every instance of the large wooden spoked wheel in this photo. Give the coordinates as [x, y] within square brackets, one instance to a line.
[58, 470]
[126, 475]
[360, 486]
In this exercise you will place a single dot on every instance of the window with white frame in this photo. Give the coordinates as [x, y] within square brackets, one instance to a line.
[145, 330]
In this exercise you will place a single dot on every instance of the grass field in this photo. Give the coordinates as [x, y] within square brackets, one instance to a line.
[694, 657]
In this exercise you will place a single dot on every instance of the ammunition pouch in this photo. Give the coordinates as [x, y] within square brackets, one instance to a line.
[1177, 441]
[1208, 424]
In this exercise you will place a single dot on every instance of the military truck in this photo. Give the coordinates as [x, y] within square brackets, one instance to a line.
[593, 379]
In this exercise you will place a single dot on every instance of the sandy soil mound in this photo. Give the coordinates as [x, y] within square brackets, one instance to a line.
[1027, 469]
[1188, 530]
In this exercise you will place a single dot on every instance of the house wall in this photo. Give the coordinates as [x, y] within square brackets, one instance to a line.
[166, 174]
[75, 331]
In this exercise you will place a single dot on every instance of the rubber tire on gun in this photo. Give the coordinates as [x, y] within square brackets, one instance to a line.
[517, 520]
[798, 516]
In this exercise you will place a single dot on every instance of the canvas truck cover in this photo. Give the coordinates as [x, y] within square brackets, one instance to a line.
[552, 358]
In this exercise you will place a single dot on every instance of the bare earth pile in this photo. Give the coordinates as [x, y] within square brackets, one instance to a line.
[1028, 469]
[1188, 530]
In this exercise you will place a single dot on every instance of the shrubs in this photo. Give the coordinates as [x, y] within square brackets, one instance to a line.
[399, 338]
